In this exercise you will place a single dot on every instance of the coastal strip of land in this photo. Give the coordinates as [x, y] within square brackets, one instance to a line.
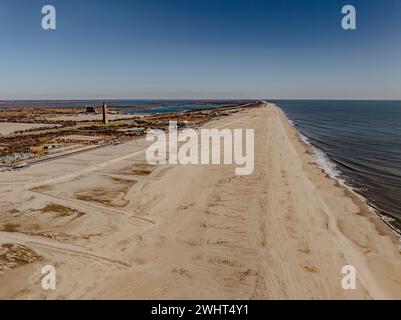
[116, 227]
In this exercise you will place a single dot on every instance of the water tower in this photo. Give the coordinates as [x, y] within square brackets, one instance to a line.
[105, 113]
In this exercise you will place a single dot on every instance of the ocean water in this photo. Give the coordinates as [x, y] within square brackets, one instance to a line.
[358, 143]
[177, 107]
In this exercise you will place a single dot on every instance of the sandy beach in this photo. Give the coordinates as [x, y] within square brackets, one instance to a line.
[115, 227]
[8, 128]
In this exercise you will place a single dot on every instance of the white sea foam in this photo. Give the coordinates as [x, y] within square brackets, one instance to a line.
[291, 122]
[331, 169]
[322, 160]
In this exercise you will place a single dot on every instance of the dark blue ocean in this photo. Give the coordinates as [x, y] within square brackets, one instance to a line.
[357, 142]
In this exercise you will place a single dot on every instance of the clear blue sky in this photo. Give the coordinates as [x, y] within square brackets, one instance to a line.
[200, 49]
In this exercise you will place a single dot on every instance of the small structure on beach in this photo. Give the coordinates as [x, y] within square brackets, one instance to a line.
[90, 109]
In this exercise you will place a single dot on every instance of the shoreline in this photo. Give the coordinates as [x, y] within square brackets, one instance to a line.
[378, 217]
[366, 211]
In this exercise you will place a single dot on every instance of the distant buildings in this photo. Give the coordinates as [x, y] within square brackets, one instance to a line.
[90, 110]
[19, 156]
[105, 112]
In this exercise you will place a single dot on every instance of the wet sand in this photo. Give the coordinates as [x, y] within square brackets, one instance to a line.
[116, 227]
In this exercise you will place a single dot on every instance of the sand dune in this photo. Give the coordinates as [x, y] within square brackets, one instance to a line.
[115, 227]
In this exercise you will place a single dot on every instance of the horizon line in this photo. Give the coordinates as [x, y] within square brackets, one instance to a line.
[199, 99]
